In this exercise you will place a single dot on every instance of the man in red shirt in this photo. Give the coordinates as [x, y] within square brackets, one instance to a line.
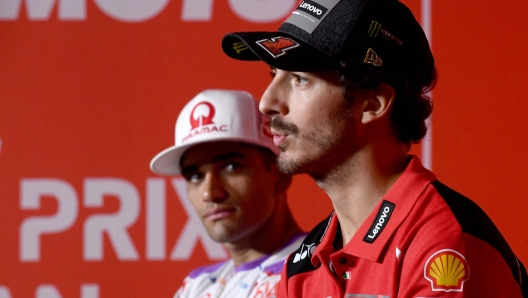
[347, 100]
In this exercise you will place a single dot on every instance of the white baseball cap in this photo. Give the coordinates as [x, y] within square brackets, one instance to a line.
[215, 115]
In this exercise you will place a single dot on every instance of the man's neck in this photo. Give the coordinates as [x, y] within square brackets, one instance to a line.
[356, 186]
[268, 239]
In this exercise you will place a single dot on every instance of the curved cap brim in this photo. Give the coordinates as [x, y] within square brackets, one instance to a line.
[167, 162]
[277, 49]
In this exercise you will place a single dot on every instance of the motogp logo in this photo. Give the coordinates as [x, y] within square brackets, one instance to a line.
[202, 114]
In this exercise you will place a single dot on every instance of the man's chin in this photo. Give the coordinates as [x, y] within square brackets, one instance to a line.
[288, 166]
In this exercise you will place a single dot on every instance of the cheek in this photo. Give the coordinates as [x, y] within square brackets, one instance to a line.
[195, 197]
[253, 192]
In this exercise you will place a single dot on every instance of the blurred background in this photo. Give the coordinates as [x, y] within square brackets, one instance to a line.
[90, 91]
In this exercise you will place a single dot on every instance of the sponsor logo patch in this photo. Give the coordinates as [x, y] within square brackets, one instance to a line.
[312, 8]
[202, 114]
[201, 120]
[373, 58]
[381, 220]
[310, 13]
[240, 46]
[375, 28]
[306, 251]
[447, 270]
[267, 290]
[278, 46]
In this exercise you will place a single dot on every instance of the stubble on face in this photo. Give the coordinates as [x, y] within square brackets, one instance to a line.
[319, 149]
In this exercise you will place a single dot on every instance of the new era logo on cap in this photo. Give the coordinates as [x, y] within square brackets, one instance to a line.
[373, 58]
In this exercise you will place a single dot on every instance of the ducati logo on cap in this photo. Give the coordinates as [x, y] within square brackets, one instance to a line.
[278, 46]
[201, 120]
[447, 270]
[373, 58]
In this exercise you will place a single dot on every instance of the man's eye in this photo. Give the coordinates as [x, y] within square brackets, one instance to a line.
[193, 178]
[300, 80]
[231, 167]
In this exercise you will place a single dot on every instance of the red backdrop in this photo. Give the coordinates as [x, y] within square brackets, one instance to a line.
[90, 91]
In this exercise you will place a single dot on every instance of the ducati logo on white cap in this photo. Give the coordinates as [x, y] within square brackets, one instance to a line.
[201, 120]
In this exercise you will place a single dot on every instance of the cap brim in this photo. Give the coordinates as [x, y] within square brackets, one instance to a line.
[167, 161]
[277, 49]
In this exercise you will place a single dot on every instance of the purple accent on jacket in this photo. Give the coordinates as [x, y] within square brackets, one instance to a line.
[206, 269]
[252, 264]
[275, 268]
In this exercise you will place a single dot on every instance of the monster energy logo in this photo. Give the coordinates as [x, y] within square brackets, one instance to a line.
[239, 47]
[374, 28]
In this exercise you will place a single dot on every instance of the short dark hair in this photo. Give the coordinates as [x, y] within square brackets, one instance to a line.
[412, 105]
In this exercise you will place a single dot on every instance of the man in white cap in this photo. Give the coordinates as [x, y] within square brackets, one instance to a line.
[225, 152]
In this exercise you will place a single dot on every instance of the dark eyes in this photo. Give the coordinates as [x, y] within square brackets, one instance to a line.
[193, 177]
[232, 166]
[197, 176]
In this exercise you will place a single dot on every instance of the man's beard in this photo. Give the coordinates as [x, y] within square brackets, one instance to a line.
[329, 144]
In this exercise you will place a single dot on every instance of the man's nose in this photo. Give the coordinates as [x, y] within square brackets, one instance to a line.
[273, 101]
[213, 189]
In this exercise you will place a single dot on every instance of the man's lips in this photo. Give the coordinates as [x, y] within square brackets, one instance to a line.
[278, 137]
[218, 213]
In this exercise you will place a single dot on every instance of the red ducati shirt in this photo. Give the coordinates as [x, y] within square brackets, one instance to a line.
[422, 240]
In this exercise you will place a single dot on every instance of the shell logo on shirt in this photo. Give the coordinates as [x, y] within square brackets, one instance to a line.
[447, 270]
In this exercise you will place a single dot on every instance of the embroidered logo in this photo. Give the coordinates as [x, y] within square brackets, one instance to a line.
[381, 220]
[306, 251]
[374, 28]
[312, 8]
[278, 46]
[447, 270]
[202, 114]
[239, 47]
[201, 120]
[373, 58]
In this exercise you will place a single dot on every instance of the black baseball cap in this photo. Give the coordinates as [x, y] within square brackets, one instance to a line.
[334, 34]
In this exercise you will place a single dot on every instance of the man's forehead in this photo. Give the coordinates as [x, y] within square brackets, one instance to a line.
[214, 152]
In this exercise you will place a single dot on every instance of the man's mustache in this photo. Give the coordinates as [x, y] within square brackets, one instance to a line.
[283, 127]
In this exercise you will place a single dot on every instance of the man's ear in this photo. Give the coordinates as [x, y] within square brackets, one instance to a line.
[377, 103]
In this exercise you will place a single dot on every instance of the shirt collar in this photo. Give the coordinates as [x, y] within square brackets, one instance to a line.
[403, 194]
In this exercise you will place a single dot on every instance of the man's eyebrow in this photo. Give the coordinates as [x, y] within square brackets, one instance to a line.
[222, 157]
[228, 155]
